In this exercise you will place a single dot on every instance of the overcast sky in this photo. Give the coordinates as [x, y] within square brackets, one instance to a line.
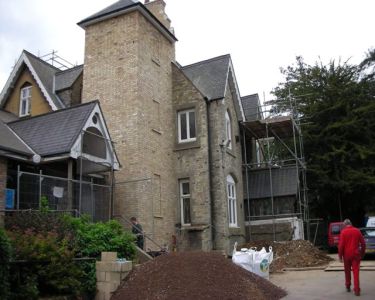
[261, 35]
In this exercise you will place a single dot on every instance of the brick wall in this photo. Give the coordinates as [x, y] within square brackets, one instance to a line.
[128, 68]
[191, 161]
[226, 162]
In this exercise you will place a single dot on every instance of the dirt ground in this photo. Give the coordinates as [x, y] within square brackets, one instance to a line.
[291, 254]
[321, 285]
[195, 275]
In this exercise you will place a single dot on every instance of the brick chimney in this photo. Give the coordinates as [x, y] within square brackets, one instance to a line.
[157, 7]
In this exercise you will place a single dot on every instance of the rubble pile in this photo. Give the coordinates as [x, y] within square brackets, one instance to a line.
[291, 254]
[194, 275]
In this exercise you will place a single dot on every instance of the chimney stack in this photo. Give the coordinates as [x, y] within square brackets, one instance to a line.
[157, 7]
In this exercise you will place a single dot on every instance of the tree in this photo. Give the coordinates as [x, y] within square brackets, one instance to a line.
[336, 105]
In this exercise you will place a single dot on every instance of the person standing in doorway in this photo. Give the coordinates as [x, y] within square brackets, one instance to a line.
[351, 249]
[137, 231]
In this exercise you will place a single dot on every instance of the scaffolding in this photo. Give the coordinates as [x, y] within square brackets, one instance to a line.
[272, 149]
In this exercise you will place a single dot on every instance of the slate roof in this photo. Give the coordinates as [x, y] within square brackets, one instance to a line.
[115, 7]
[53, 133]
[209, 76]
[251, 106]
[9, 141]
[7, 116]
[120, 7]
[46, 73]
[284, 182]
[65, 79]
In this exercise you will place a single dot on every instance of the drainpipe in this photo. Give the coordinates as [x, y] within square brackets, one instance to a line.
[212, 210]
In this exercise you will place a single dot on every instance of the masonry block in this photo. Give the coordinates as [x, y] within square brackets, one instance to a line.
[109, 256]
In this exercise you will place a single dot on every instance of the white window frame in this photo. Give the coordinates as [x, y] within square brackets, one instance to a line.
[26, 100]
[228, 130]
[232, 201]
[182, 198]
[188, 133]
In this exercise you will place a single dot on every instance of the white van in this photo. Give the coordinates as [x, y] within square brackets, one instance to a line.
[371, 222]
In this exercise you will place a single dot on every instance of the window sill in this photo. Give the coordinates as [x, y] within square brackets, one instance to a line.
[200, 227]
[186, 146]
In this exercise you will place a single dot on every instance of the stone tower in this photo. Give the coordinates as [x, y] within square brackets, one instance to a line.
[129, 50]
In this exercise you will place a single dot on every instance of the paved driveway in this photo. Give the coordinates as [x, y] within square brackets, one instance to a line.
[318, 284]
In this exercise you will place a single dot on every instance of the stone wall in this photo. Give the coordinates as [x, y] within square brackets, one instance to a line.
[191, 162]
[226, 162]
[128, 68]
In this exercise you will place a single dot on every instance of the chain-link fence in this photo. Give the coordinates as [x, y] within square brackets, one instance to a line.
[37, 191]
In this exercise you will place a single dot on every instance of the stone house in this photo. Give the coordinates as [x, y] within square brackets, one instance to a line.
[176, 128]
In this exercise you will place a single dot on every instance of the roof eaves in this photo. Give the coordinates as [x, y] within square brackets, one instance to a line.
[206, 61]
[236, 87]
[51, 103]
[133, 7]
[188, 79]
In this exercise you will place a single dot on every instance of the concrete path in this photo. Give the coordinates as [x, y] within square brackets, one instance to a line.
[321, 285]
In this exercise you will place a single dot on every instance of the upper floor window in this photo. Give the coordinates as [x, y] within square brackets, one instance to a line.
[228, 130]
[232, 201]
[25, 101]
[186, 126]
[185, 202]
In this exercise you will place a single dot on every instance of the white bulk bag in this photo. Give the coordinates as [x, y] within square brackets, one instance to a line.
[254, 261]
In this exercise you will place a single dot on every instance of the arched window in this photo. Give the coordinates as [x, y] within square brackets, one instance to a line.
[94, 143]
[228, 130]
[232, 201]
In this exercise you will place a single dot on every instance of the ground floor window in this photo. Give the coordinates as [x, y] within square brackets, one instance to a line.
[232, 202]
[185, 202]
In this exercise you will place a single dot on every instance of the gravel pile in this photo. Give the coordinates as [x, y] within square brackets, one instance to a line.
[195, 275]
[292, 254]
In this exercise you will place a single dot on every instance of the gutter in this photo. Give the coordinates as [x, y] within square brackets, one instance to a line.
[212, 210]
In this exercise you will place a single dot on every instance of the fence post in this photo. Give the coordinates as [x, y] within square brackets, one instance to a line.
[40, 189]
[18, 186]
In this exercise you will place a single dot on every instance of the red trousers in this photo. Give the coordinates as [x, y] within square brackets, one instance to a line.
[352, 263]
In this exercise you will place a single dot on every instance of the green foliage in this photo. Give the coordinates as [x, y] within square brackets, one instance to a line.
[94, 238]
[5, 256]
[50, 266]
[336, 104]
[48, 243]
[44, 205]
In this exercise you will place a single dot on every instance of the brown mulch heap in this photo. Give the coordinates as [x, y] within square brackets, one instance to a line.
[194, 275]
[292, 254]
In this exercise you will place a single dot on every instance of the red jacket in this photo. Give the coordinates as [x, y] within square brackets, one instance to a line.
[352, 243]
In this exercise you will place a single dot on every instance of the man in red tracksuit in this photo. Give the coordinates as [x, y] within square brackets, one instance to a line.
[351, 248]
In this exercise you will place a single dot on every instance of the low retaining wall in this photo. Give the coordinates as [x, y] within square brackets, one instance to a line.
[109, 273]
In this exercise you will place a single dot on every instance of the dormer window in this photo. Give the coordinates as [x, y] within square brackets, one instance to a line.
[25, 101]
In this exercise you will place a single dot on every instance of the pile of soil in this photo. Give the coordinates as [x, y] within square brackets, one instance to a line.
[194, 275]
[292, 254]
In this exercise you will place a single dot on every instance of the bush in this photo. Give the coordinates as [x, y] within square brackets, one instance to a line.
[94, 238]
[5, 256]
[49, 242]
[50, 269]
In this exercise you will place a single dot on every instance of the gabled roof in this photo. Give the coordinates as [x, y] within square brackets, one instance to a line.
[213, 77]
[53, 133]
[209, 76]
[122, 7]
[251, 108]
[284, 182]
[65, 79]
[9, 141]
[42, 72]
